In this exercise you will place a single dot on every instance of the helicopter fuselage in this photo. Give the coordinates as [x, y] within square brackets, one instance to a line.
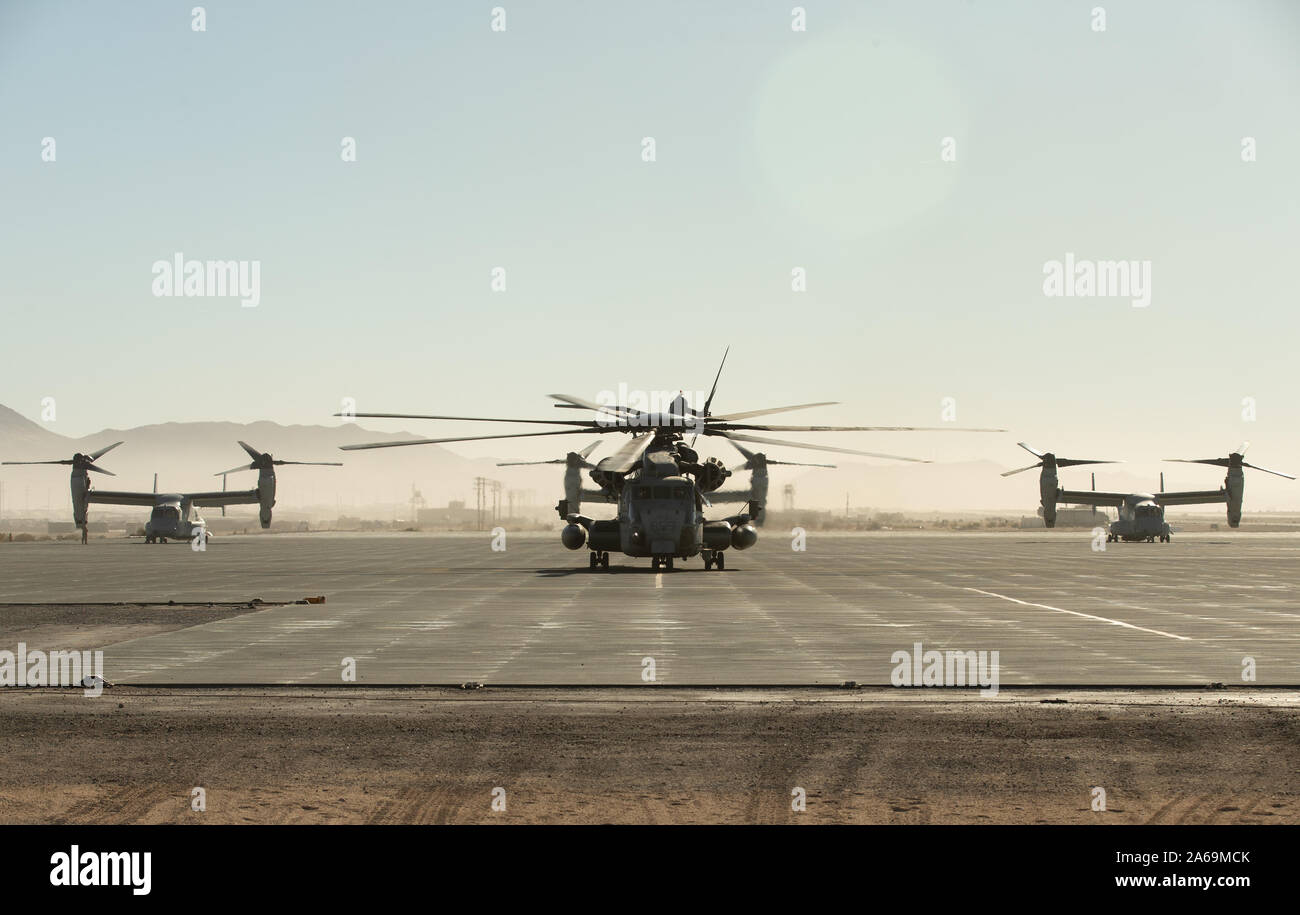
[660, 512]
[171, 520]
[1141, 517]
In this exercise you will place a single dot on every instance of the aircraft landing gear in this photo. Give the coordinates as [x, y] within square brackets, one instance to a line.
[599, 560]
[662, 562]
[714, 558]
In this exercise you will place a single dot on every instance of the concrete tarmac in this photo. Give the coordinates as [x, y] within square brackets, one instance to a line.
[447, 609]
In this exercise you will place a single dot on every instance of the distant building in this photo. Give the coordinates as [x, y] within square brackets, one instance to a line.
[1079, 516]
[454, 515]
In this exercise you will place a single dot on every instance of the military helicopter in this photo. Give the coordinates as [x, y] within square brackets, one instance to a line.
[173, 515]
[1142, 515]
[659, 481]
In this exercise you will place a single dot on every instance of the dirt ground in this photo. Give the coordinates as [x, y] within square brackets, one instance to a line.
[651, 755]
[89, 627]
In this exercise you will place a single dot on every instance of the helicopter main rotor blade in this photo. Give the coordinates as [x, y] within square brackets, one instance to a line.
[709, 430]
[474, 419]
[748, 465]
[616, 409]
[222, 473]
[1031, 449]
[708, 403]
[310, 463]
[530, 463]
[731, 495]
[252, 452]
[467, 438]
[730, 417]
[586, 452]
[584, 404]
[69, 461]
[766, 428]
[95, 455]
[100, 470]
[625, 458]
[628, 417]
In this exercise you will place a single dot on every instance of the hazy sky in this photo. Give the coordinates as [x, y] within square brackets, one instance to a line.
[775, 149]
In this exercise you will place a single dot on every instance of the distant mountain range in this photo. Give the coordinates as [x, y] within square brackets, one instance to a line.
[187, 455]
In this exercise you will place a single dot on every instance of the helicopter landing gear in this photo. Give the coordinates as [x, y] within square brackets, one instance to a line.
[599, 560]
[662, 562]
[714, 558]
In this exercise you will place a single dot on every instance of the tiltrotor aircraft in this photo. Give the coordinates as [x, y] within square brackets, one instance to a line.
[173, 516]
[1142, 515]
[574, 463]
[756, 462]
[660, 483]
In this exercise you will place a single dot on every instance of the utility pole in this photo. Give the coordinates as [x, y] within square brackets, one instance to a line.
[479, 484]
[482, 488]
